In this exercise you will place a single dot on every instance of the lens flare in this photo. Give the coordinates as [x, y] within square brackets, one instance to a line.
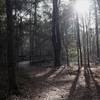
[81, 6]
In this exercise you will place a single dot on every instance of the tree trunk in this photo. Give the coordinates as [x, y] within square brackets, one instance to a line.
[68, 63]
[56, 39]
[78, 41]
[96, 28]
[98, 3]
[10, 50]
[88, 58]
[33, 36]
[84, 44]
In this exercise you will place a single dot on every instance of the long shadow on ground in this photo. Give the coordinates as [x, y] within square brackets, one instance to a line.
[37, 83]
[73, 87]
[88, 93]
[97, 86]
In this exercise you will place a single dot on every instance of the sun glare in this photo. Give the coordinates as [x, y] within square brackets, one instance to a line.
[81, 6]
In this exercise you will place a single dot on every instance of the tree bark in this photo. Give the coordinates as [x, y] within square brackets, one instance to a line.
[78, 41]
[96, 28]
[88, 57]
[56, 39]
[98, 3]
[33, 35]
[84, 44]
[67, 52]
[10, 50]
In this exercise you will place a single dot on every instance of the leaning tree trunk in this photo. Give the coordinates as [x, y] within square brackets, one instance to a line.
[56, 39]
[10, 50]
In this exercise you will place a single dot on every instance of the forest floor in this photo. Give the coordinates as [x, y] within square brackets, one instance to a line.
[63, 83]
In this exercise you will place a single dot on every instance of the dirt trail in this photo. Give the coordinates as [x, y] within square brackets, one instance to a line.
[61, 84]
